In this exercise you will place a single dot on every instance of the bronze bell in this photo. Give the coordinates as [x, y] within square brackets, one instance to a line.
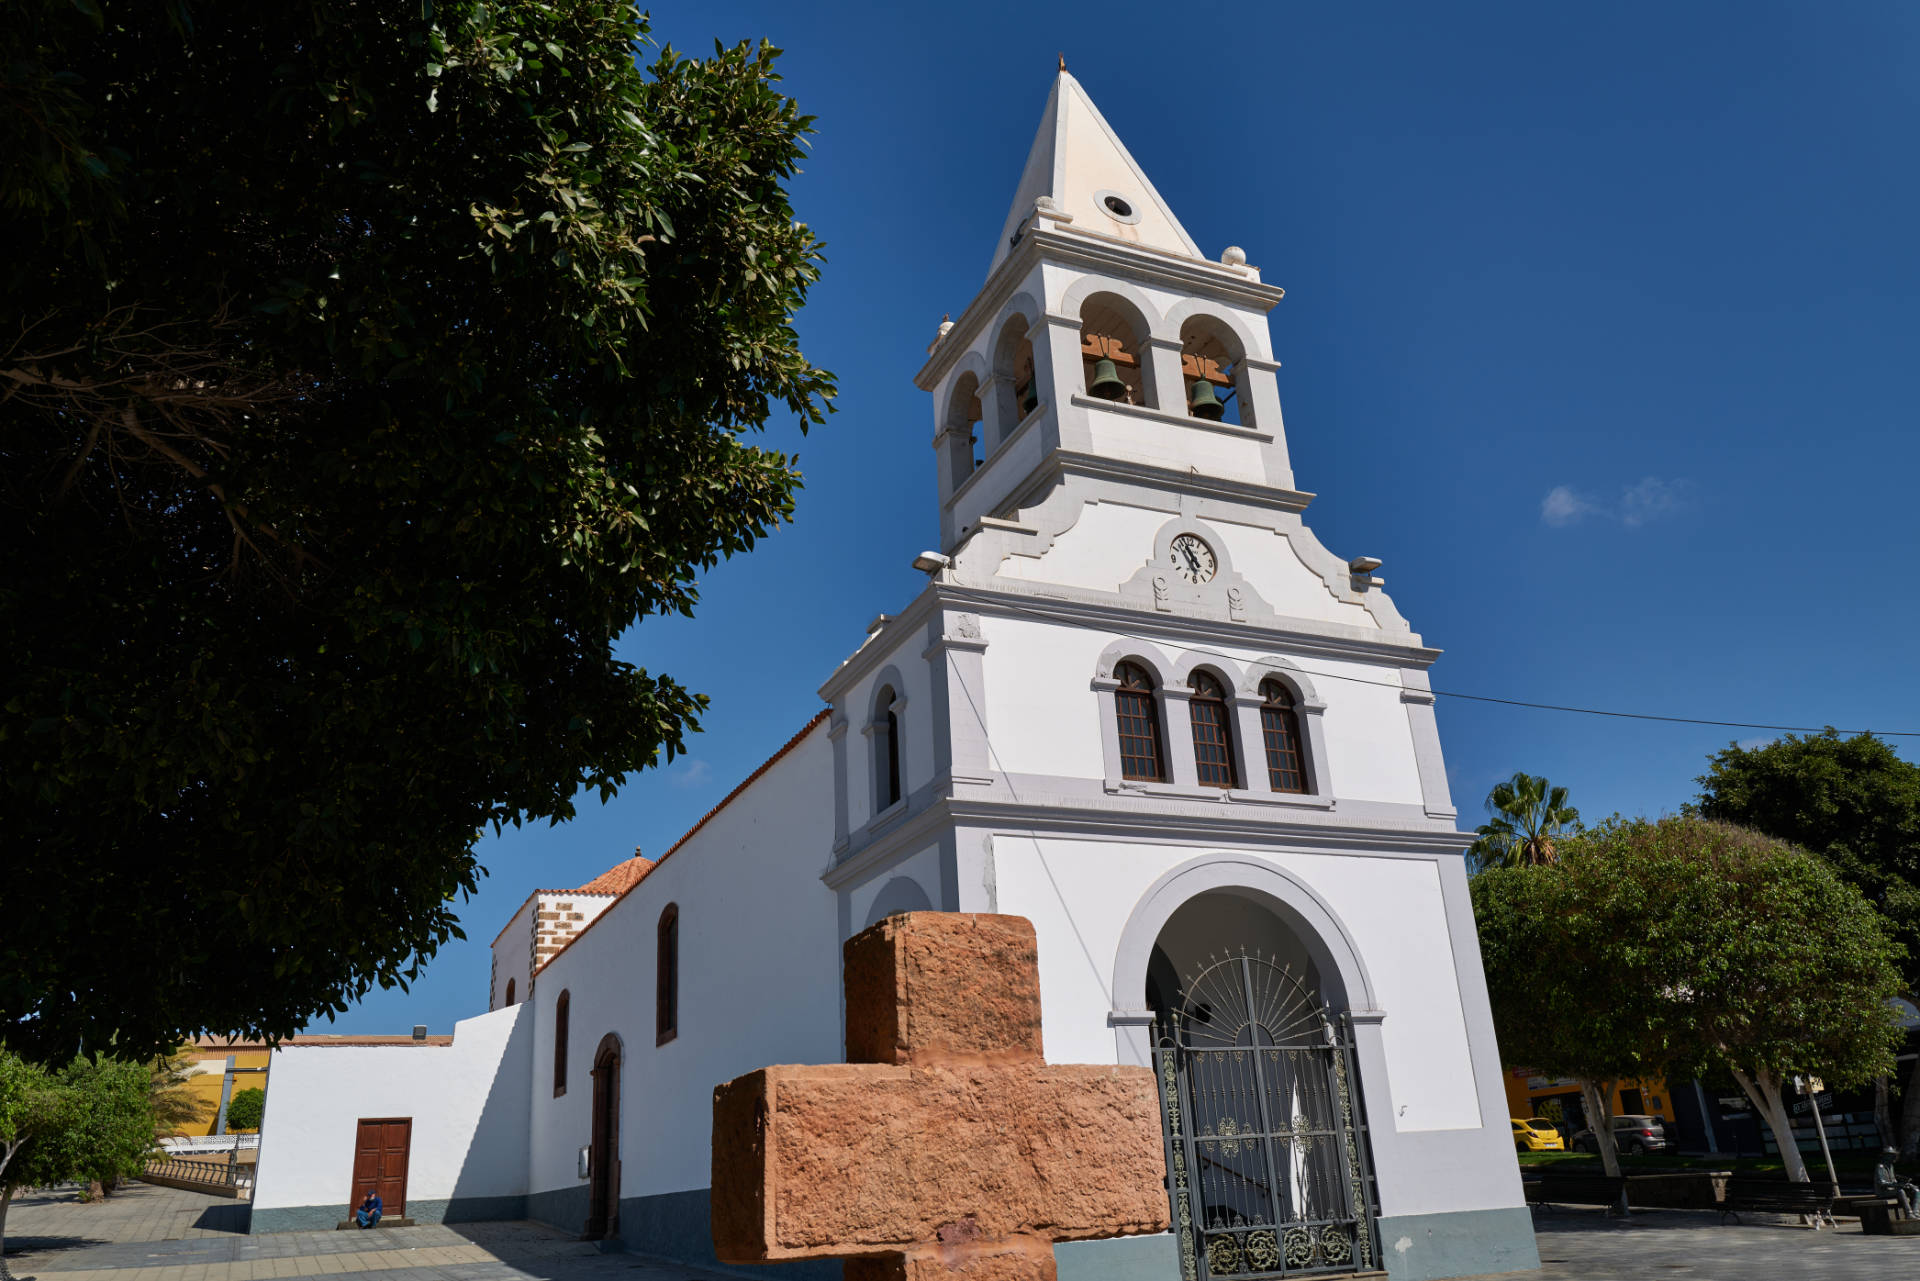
[1029, 396]
[1205, 403]
[1106, 382]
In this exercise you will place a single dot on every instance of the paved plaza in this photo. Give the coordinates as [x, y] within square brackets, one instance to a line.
[164, 1234]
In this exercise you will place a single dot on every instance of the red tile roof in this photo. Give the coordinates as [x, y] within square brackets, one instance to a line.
[619, 878]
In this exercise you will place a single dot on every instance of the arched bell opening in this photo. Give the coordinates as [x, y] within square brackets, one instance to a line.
[1210, 371]
[1016, 386]
[961, 441]
[1268, 1169]
[1113, 351]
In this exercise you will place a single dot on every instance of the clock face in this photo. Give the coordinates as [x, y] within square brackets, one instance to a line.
[1194, 559]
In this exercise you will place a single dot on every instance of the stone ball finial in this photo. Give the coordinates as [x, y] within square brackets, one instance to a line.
[1234, 256]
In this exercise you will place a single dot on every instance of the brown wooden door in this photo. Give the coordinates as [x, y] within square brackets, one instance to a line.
[380, 1152]
[603, 1206]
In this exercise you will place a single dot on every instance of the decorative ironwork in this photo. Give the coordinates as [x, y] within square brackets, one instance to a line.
[1266, 1165]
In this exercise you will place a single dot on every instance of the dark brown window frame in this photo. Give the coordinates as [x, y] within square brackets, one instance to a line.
[562, 1019]
[1285, 750]
[666, 976]
[1212, 716]
[1136, 716]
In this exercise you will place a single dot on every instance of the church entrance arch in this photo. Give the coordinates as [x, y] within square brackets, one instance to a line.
[1268, 1165]
[603, 1162]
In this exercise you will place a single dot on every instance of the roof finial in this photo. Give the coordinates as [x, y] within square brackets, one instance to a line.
[1063, 62]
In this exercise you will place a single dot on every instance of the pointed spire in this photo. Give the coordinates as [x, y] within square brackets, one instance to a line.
[1080, 165]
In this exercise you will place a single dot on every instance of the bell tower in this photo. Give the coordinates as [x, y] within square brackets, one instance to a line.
[1104, 342]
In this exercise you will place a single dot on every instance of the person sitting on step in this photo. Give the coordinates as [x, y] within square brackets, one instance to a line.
[1887, 1183]
[369, 1212]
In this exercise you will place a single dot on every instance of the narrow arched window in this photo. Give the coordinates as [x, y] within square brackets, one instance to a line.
[886, 749]
[1280, 727]
[1212, 737]
[509, 1000]
[560, 1011]
[1139, 724]
[666, 972]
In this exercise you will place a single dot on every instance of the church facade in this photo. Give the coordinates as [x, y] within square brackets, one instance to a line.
[1137, 703]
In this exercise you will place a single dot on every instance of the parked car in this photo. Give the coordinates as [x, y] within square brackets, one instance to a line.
[1631, 1135]
[1536, 1134]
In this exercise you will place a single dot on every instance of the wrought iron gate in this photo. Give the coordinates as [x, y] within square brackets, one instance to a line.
[1267, 1162]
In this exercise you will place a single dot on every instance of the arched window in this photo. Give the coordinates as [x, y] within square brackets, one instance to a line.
[1280, 727]
[666, 974]
[1139, 721]
[886, 749]
[560, 1011]
[1212, 739]
[1210, 373]
[509, 1000]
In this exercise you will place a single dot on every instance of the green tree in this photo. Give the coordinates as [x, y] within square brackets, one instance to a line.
[1687, 945]
[1856, 803]
[32, 1106]
[365, 372]
[1526, 816]
[1564, 976]
[246, 1109]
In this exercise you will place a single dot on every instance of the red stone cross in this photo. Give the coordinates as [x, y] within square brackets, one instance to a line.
[945, 1147]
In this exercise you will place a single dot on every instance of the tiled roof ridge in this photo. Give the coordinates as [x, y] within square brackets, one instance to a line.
[708, 817]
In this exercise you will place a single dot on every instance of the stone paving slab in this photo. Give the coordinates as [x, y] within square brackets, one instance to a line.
[1693, 1245]
[156, 1234]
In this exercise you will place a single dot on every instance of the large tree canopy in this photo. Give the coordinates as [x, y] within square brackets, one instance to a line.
[365, 370]
[1855, 802]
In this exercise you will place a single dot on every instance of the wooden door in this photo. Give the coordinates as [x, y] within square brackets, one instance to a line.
[380, 1152]
[603, 1206]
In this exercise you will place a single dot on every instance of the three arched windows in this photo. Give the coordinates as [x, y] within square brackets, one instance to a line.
[1210, 709]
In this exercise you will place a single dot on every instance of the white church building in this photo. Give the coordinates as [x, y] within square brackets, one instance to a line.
[1137, 703]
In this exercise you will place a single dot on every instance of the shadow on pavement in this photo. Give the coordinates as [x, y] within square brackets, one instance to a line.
[225, 1218]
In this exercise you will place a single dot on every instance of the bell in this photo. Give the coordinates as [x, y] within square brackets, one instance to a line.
[1106, 382]
[1205, 403]
[1029, 397]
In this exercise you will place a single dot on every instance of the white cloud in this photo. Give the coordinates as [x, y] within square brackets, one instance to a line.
[1563, 507]
[1651, 499]
[690, 773]
[1640, 503]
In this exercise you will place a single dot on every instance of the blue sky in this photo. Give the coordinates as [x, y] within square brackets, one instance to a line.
[1602, 330]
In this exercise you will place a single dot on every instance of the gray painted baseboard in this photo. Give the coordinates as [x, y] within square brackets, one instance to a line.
[1150, 1258]
[320, 1218]
[1426, 1247]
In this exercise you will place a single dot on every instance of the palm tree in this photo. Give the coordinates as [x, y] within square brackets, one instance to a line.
[1525, 815]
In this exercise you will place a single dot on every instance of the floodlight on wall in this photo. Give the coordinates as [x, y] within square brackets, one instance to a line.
[419, 1031]
[1364, 564]
[931, 562]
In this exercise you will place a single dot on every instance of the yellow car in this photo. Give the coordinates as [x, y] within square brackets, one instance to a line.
[1536, 1134]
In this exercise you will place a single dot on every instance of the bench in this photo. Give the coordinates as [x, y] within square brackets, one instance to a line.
[1771, 1196]
[1579, 1189]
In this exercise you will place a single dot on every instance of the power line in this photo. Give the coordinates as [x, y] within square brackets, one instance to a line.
[1513, 702]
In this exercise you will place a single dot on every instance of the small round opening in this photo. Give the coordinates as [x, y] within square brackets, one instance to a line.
[1119, 207]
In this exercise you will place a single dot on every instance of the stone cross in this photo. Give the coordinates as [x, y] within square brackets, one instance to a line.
[946, 1148]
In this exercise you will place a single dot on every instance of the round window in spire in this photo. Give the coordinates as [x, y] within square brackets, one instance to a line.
[1116, 206]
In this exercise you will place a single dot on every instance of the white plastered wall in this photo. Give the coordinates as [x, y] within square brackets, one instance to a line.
[467, 1101]
[897, 652]
[759, 982]
[513, 955]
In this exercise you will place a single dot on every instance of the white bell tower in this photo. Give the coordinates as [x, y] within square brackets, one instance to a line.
[1104, 340]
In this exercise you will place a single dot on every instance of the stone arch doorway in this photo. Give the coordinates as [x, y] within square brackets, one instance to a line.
[1268, 1168]
[603, 1162]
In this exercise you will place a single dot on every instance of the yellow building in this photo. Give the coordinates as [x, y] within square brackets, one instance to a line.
[220, 1070]
[1558, 1099]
